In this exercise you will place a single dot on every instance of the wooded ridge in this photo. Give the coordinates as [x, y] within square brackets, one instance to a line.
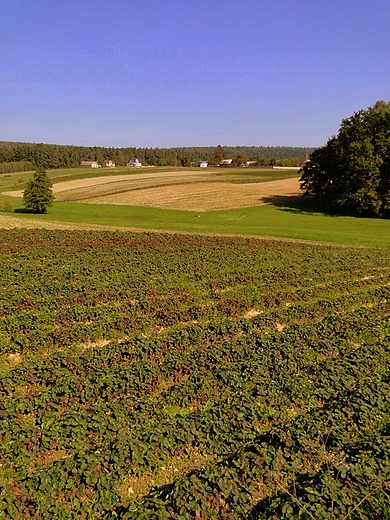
[40, 155]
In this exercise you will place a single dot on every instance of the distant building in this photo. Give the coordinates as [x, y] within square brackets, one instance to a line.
[134, 162]
[249, 163]
[108, 163]
[286, 167]
[226, 162]
[89, 164]
[203, 164]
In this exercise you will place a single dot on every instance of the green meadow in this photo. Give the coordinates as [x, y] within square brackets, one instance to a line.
[291, 217]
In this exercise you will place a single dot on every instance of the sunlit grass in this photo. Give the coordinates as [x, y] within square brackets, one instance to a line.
[298, 221]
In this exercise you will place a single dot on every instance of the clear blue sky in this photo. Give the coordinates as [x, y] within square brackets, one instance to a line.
[167, 73]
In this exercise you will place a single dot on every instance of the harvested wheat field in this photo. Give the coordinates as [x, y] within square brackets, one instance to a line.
[175, 191]
[172, 190]
[202, 196]
[80, 189]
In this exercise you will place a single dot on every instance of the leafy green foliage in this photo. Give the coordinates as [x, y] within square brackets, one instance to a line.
[38, 195]
[15, 166]
[152, 376]
[352, 171]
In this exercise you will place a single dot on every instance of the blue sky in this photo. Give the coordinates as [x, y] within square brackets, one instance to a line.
[167, 73]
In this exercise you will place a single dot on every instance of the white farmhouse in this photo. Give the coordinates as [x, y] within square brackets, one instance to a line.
[89, 164]
[109, 163]
[134, 162]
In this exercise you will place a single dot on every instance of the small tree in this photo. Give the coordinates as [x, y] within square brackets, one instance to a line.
[38, 195]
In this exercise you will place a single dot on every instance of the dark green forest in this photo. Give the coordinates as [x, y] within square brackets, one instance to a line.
[15, 156]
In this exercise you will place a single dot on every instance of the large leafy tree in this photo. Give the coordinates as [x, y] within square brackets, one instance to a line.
[38, 195]
[351, 172]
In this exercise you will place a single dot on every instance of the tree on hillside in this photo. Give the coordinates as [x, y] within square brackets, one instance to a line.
[218, 155]
[351, 173]
[38, 195]
[240, 159]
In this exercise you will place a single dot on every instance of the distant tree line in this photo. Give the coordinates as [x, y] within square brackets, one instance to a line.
[24, 156]
[16, 166]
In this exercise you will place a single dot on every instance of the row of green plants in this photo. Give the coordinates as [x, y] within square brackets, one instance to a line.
[162, 376]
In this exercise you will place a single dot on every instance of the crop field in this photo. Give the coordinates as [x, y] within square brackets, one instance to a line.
[174, 376]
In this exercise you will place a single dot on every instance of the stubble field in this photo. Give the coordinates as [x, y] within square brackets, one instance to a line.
[184, 190]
